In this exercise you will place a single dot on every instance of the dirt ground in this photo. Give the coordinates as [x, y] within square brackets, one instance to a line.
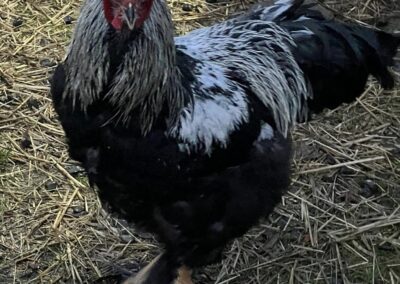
[339, 223]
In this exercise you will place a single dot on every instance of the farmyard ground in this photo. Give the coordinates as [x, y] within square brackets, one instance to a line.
[340, 222]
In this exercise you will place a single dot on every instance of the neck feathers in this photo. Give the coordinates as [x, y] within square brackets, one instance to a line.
[146, 78]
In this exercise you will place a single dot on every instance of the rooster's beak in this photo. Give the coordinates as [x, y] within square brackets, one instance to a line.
[130, 17]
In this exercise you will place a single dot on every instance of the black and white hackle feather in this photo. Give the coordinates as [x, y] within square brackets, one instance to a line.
[188, 136]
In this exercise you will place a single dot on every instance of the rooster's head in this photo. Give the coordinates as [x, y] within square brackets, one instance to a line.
[127, 13]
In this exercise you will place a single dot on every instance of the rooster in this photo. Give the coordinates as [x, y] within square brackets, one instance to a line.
[188, 136]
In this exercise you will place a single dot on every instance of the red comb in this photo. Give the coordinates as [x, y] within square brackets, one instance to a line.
[108, 10]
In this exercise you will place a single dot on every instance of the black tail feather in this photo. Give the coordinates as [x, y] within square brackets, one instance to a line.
[337, 58]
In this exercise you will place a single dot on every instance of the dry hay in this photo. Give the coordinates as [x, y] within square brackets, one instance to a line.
[338, 224]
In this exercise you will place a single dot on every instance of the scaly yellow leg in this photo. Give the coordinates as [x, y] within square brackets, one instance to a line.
[184, 276]
[143, 273]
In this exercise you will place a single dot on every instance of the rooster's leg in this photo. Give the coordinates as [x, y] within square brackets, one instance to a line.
[156, 272]
[143, 274]
[184, 276]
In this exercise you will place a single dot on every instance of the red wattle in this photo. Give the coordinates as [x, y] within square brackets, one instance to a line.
[117, 23]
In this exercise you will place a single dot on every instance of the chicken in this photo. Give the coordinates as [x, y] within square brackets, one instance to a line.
[188, 136]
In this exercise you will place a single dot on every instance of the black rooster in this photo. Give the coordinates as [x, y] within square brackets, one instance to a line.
[188, 136]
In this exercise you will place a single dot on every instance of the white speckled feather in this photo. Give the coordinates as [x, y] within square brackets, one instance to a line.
[273, 76]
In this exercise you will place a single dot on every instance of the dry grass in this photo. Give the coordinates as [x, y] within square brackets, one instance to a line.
[340, 222]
